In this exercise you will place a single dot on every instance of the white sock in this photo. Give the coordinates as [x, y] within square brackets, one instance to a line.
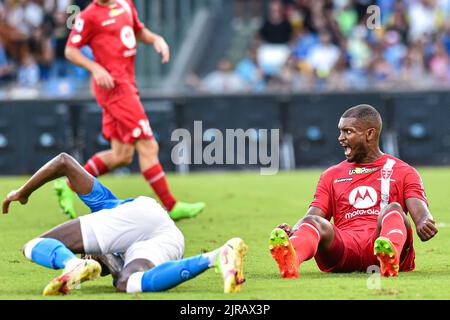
[212, 256]
[71, 263]
[134, 283]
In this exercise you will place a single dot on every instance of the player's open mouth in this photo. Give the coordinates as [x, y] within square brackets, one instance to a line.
[347, 150]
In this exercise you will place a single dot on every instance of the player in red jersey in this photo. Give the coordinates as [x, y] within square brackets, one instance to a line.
[367, 196]
[111, 28]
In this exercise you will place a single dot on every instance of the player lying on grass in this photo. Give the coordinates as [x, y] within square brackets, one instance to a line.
[367, 195]
[140, 229]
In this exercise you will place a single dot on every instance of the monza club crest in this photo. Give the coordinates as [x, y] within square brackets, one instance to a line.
[386, 173]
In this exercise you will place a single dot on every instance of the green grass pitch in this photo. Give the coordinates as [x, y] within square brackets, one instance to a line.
[247, 205]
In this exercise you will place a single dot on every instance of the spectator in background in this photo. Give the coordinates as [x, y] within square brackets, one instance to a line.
[276, 34]
[304, 8]
[445, 37]
[361, 8]
[394, 50]
[398, 21]
[412, 73]
[387, 7]
[305, 41]
[28, 72]
[358, 49]
[6, 68]
[381, 72]
[292, 77]
[424, 15]
[247, 11]
[223, 80]
[338, 78]
[13, 30]
[276, 29]
[346, 16]
[61, 68]
[439, 64]
[250, 71]
[323, 55]
[40, 47]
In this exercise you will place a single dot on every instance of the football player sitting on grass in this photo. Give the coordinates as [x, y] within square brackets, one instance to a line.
[367, 196]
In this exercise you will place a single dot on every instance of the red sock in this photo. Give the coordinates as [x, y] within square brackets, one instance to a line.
[393, 227]
[156, 177]
[95, 166]
[305, 241]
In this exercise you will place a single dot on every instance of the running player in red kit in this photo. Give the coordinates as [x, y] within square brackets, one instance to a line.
[367, 196]
[111, 28]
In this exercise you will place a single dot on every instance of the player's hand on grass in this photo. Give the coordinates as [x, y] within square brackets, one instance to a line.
[426, 229]
[287, 228]
[162, 47]
[103, 78]
[15, 195]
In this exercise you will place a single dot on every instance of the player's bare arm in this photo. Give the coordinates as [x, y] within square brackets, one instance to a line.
[425, 225]
[148, 37]
[100, 74]
[61, 165]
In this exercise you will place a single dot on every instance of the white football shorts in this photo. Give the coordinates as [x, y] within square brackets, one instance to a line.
[139, 229]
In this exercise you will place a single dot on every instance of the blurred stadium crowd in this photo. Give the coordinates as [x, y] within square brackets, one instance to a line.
[33, 35]
[299, 45]
[304, 45]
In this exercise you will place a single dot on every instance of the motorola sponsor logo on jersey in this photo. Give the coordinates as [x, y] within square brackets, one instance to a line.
[363, 198]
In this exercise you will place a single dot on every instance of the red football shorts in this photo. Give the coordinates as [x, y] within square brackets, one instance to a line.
[350, 252]
[124, 118]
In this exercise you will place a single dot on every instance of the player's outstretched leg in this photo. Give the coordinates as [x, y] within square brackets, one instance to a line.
[75, 273]
[228, 260]
[290, 251]
[393, 225]
[387, 255]
[65, 197]
[52, 253]
[284, 253]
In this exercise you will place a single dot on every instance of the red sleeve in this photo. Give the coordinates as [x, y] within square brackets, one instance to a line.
[323, 196]
[82, 32]
[413, 185]
[137, 24]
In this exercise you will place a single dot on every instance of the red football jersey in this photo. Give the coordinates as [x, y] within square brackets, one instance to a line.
[110, 31]
[353, 194]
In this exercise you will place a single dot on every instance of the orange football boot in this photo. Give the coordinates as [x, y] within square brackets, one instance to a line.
[284, 253]
[388, 256]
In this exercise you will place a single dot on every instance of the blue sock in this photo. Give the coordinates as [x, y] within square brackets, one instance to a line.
[50, 253]
[172, 273]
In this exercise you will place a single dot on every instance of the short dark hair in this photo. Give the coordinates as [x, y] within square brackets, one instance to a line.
[366, 113]
[363, 112]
